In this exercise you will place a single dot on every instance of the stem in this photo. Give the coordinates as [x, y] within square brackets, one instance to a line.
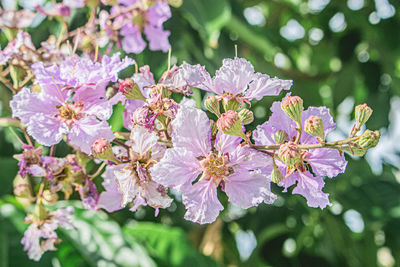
[120, 143]
[94, 175]
[41, 190]
[335, 145]
[52, 151]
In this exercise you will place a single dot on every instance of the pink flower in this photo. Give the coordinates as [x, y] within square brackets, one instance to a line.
[41, 236]
[72, 101]
[132, 182]
[236, 79]
[226, 163]
[323, 162]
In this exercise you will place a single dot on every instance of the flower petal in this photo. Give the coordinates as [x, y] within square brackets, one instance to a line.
[263, 85]
[201, 202]
[326, 162]
[248, 189]
[142, 140]
[234, 75]
[191, 130]
[178, 167]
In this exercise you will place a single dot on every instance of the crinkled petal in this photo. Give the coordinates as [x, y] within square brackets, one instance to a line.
[226, 143]
[142, 140]
[26, 105]
[112, 65]
[127, 185]
[63, 217]
[191, 130]
[155, 195]
[326, 162]
[133, 41]
[310, 187]
[111, 199]
[158, 38]
[263, 85]
[178, 167]
[246, 158]
[201, 202]
[248, 189]
[130, 106]
[234, 76]
[31, 242]
[158, 13]
[87, 130]
[46, 130]
[197, 76]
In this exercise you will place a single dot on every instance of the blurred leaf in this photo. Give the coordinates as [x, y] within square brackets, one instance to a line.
[169, 245]
[208, 17]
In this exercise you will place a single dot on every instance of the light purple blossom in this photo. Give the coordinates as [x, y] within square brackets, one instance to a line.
[227, 163]
[72, 101]
[132, 182]
[88, 194]
[236, 79]
[141, 19]
[41, 236]
[323, 161]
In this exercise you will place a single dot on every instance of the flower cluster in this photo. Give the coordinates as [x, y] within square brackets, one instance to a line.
[166, 143]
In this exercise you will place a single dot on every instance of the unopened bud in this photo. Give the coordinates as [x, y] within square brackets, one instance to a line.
[246, 116]
[355, 151]
[369, 139]
[231, 104]
[130, 89]
[293, 107]
[276, 175]
[362, 114]
[102, 149]
[314, 126]
[212, 104]
[229, 123]
[40, 213]
[49, 198]
[290, 154]
[280, 137]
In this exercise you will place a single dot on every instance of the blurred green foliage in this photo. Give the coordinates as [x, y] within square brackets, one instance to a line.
[361, 61]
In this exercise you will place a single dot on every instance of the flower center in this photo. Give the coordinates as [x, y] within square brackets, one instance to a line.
[70, 112]
[215, 167]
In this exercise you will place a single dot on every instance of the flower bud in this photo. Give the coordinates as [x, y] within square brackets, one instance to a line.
[355, 151]
[290, 154]
[102, 149]
[231, 104]
[49, 198]
[314, 126]
[362, 114]
[212, 104]
[280, 137]
[246, 116]
[39, 213]
[229, 123]
[293, 107]
[369, 139]
[130, 89]
[276, 175]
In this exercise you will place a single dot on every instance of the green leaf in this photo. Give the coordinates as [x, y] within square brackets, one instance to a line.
[208, 17]
[169, 245]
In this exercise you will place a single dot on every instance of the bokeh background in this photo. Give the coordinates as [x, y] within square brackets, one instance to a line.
[339, 54]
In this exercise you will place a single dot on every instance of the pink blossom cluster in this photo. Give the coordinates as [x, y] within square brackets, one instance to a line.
[201, 154]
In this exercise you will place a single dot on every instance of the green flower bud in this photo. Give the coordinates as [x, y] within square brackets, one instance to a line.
[229, 123]
[39, 213]
[102, 149]
[231, 104]
[293, 107]
[276, 175]
[130, 89]
[369, 139]
[280, 137]
[362, 114]
[246, 116]
[212, 104]
[355, 151]
[314, 126]
[290, 154]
